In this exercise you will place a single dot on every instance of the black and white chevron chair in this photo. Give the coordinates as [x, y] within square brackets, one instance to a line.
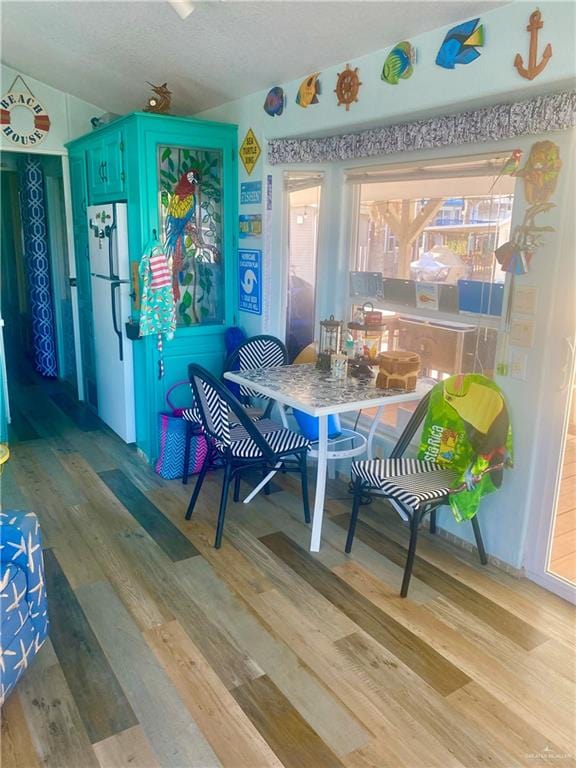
[415, 487]
[243, 444]
[262, 351]
[257, 352]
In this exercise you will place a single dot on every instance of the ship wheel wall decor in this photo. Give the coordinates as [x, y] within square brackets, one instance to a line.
[347, 86]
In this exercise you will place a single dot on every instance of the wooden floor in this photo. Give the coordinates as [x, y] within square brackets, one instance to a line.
[563, 554]
[166, 652]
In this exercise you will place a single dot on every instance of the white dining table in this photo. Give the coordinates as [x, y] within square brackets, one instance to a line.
[319, 394]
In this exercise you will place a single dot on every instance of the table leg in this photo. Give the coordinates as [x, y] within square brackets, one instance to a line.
[320, 484]
[372, 432]
[283, 419]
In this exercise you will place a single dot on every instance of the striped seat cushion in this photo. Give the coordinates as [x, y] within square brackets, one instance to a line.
[409, 481]
[281, 441]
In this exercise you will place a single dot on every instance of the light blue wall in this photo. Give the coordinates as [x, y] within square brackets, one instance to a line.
[432, 90]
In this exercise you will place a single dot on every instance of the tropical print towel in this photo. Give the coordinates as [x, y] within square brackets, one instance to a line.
[467, 429]
[157, 311]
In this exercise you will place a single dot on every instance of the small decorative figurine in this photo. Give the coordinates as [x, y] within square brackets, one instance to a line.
[160, 102]
[533, 69]
[347, 86]
[460, 44]
[510, 167]
[399, 63]
[541, 171]
[309, 91]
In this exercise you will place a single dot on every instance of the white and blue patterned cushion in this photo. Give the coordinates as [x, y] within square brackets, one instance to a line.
[410, 481]
[23, 606]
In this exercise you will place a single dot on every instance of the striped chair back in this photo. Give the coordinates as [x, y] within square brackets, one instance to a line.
[213, 408]
[260, 352]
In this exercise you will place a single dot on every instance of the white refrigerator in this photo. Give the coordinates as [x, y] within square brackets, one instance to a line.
[110, 278]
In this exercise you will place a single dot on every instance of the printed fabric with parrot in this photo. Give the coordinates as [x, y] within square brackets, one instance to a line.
[467, 429]
[181, 212]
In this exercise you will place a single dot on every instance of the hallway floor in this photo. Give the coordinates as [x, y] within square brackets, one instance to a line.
[166, 652]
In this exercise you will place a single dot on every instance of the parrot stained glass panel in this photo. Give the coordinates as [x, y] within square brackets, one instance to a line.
[190, 206]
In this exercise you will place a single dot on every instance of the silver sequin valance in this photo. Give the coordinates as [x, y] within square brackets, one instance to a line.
[553, 112]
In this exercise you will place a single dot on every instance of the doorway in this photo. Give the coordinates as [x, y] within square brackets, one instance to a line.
[303, 194]
[562, 554]
[36, 305]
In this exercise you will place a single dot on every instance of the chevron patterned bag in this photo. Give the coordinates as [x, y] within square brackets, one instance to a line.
[170, 463]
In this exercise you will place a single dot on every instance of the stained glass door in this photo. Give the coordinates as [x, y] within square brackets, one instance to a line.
[190, 207]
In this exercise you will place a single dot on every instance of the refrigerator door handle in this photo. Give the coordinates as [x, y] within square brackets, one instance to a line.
[114, 285]
[110, 235]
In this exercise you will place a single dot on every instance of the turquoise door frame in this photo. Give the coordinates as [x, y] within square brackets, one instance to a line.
[202, 344]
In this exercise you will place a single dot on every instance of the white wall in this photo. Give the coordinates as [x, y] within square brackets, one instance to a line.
[432, 90]
[69, 116]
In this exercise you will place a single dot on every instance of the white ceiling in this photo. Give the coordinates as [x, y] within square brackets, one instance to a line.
[104, 52]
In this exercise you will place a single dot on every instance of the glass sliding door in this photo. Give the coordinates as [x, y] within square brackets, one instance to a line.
[562, 549]
[303, 195]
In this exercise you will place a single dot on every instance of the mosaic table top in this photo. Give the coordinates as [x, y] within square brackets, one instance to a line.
[318, 393]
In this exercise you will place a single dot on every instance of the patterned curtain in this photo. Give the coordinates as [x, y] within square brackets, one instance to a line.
[33, 212]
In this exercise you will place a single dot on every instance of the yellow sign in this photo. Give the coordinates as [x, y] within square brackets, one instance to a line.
[249, 151]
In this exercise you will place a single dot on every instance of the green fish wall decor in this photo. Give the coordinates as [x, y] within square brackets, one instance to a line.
[399, 63]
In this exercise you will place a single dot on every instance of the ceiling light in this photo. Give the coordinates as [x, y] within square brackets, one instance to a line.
[182, 7]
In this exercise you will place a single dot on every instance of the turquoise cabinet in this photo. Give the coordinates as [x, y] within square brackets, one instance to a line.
[178, 177]
[105, 160]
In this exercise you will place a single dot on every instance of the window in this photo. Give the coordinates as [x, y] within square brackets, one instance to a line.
[303, 192]
[426, 235]
[434, 224]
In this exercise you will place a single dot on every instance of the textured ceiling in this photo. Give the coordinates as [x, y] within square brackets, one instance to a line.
[104, 52]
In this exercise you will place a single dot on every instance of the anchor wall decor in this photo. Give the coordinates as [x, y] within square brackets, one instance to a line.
[533, 69]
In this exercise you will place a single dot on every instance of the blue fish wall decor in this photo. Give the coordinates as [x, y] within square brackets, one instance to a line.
[460, 44]
[275, 101]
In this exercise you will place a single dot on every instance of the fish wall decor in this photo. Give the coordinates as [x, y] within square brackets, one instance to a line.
[460, 44]
[309, 91]
[160, 102]
[275, 101]
[399, 63]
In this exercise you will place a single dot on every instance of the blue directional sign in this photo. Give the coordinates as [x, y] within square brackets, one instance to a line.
[250, 274]
[250, 192]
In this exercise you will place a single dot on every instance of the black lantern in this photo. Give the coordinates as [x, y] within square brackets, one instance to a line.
[330, 342]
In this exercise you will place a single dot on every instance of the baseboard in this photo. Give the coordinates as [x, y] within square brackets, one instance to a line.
[511, 570]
